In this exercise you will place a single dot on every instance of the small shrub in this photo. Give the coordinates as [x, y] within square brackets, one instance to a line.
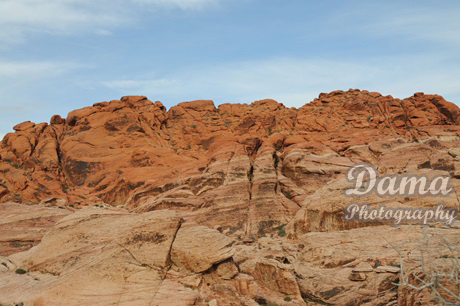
[287, 299]
[288, 194]
[21, 271]
[281, 231]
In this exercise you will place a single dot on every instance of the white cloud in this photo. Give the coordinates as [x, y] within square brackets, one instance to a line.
[21, 18]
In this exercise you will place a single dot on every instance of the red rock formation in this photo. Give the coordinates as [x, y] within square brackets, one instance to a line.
[248, 168]
[234, 205]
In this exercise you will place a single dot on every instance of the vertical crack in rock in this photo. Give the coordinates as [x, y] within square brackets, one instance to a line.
[250, 179]
[60, 171]
[252, 147]
[33, 145]
[276, 160]
[275, 166]
[250, 208]
[168, 257]
[58, 151]
[168, 260]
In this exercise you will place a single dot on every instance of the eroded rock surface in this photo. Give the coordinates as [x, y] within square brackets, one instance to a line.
[230, 205]
[153, 259]
[22, 227]
[246, 168]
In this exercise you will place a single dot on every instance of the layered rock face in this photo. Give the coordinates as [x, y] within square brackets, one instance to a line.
[158, 258]
[230, 205]
[246, 168]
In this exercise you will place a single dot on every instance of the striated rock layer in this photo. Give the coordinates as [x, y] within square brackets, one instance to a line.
[245, 168]
[96, 256]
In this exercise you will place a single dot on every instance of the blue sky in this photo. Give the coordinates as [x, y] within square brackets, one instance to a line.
[59, 55]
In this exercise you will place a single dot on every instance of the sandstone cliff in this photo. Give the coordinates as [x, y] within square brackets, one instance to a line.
[245, 167]
[259, 186]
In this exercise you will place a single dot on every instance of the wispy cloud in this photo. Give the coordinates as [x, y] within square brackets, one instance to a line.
[34, 69]
[182, 4]
[21, 18]
[422, 23]
[22, 83]
[151, 85]
[17, 77]
[294, 81]
[26, 86]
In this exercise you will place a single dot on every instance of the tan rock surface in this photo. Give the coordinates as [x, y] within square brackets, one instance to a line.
[141, 259]
[198, 248]
[22, 227]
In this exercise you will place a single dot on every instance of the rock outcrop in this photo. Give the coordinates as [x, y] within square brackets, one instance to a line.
[23, 227]
[154, 258]
[245, 168]
[130, 203]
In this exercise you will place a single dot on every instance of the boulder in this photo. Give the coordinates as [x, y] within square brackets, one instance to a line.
[56, 119]
[363, 267]
[198, 248]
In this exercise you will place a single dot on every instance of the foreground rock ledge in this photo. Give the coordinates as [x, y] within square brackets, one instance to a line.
[157, 258]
